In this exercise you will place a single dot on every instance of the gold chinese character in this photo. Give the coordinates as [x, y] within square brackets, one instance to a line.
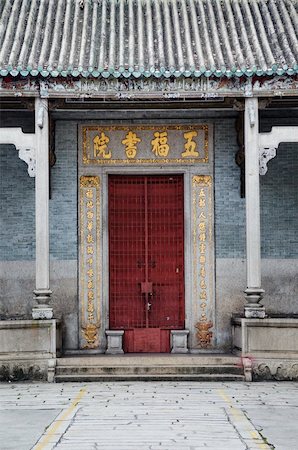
[190, 145]
[160, 144]
[90, 250]
[130, 144]
[202, 226]
[203, 295]
[203, 272]
[90, 273]
[203, 284]
[90, 239]
[90, 261]
[89, 193]
[90, 307]
[202, 237]
[100, 146]
[202, 215]
[90, 204]
[203, 305]
[90, 295]
[90, 225]
[90, 284]
[90, 317]
[202, 202]
[202, 248]
[202, 193]
[202, 259]
[90, 214]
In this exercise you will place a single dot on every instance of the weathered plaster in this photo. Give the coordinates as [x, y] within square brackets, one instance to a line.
[16, 294]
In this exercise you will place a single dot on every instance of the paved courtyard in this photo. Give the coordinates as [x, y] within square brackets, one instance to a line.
[149, 415]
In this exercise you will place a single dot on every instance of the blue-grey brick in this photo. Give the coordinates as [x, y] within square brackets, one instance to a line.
[279, 200]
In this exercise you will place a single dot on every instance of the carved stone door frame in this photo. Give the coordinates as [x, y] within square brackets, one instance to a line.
[198, 245]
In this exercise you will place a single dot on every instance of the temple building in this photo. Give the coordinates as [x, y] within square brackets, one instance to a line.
[149, 188]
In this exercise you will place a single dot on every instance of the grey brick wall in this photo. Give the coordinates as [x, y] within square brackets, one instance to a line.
[229, 207]
[17, 207]
[17, 197]
[279, 204]
[63, 204]
[279, 200]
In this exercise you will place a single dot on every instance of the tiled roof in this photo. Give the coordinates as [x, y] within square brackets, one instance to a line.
[160, 38]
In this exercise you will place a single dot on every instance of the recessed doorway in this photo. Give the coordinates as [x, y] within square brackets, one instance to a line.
[146, 259]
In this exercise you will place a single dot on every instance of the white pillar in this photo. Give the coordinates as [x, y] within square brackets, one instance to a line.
[254, 292]
[42, 290]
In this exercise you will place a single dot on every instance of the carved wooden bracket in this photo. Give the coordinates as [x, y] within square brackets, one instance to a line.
[28, 155]
[265, 155]
[25, 143]
[269, 142]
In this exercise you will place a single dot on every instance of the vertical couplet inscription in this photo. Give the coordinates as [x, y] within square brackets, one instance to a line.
[89, 260]
[202, 237]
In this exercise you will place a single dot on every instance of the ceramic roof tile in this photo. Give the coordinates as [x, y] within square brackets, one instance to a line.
[133, 38]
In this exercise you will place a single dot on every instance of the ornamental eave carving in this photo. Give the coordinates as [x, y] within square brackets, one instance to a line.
[163, 88]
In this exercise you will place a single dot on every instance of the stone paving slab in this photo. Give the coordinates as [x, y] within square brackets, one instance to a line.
[149, 416]
[21, 428]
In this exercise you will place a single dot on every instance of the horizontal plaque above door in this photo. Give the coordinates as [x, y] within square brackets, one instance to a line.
[145, 144]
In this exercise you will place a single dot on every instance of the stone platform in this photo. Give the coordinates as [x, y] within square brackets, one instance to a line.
[268, 347]
[28, 349]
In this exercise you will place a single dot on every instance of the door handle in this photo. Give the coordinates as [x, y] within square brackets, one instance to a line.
[149, 306]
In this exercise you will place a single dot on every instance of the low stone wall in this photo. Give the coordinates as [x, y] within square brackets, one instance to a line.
[268, 347]
[28, 349]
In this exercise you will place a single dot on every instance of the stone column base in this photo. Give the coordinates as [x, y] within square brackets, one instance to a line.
[179, 341]
[254, 312]
[42, 310]
[114, 344]
[253, 309]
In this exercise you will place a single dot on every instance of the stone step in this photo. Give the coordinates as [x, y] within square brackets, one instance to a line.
[145, 377]
[149, 370]
[206, 359]
[146, 367]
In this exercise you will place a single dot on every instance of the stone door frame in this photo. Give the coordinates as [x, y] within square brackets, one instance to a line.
[198, 179]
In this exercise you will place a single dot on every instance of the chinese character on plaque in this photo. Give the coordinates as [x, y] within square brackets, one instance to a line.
[160, 144]
[130, 141]
[190, 145]
[100, 146]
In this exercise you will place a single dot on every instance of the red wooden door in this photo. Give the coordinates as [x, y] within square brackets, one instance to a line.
[146, 259]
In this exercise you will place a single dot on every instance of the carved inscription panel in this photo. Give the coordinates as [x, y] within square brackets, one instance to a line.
[136, 145]
[90, 270]
[203, 259]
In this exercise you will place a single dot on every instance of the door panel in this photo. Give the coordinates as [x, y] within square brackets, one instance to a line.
[146, 261]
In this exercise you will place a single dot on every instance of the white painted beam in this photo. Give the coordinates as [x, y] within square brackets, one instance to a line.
[278, 135]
